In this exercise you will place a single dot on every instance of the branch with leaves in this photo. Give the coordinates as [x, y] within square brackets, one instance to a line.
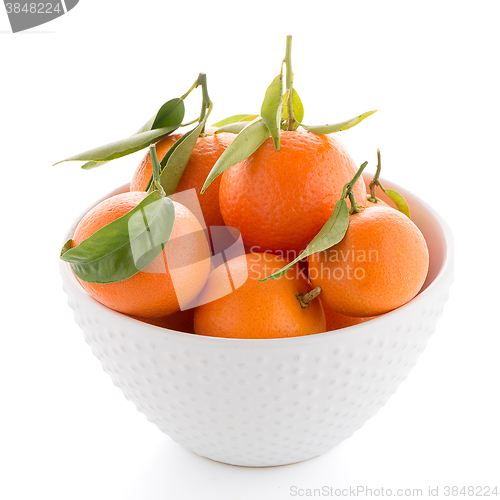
[281, 109]
[166, 120]
[127, 245]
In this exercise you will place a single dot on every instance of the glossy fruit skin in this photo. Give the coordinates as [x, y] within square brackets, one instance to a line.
[150, 293]
[279, 200]
[258, 310]
[381, 264]
[205, 153]
[336, 321]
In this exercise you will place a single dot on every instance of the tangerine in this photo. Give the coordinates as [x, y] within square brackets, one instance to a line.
[279, 200]
[151, 293]
[379, 265]
[250, 309]
[180, 321]
[336, 321]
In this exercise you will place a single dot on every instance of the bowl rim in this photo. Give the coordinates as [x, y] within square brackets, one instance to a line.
[444, 276]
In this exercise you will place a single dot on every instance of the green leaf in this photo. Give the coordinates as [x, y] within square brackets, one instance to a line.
[330, 234]
[124, 147]
[399, 200]
[232, 128]
[174, 162]
[243, 145]
[93, 164]
[171, 113]
[249, 118]
[272, 107]
[66, 246]
[168, 118]
[298, 108]
[337, 127]
[234, 119]
[125, 246]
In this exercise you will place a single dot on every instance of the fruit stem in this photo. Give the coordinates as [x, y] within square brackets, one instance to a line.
[306, 298]
[156, 183]
[206, 105]
[375, 182]
[289, 82]
[348, 189]
[354, 206]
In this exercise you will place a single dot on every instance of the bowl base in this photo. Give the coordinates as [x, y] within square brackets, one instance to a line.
[264, 465]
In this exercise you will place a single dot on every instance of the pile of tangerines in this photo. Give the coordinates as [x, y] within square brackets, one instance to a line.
[321, 251]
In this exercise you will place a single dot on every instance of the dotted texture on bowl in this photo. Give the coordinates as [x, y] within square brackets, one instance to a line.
[260, 403]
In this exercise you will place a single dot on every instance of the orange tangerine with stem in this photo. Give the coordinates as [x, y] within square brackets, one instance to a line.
[151, 293]
[256, 310]
[279, 200]
[379, 265]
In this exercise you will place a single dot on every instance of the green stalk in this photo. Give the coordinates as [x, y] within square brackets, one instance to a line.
[289, 83]
[375, 182]
[206, 105]
[156, 183]
[348, 189]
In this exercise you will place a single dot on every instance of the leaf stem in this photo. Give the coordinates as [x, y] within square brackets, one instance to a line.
[306, 298]
[195, 84]
[206, 104]
[189, 123]
[289, 82]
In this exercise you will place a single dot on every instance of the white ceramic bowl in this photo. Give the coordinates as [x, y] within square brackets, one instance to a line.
[272, 401]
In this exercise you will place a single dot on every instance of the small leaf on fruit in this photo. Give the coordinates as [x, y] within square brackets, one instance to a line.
[298, 108]
[243, 145]
[174, 162]
[329, 235]
[272, 108]
[125, 246]
[399, 200]
[337, 127]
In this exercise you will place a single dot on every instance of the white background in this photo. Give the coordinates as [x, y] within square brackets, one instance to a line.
[95, 75]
